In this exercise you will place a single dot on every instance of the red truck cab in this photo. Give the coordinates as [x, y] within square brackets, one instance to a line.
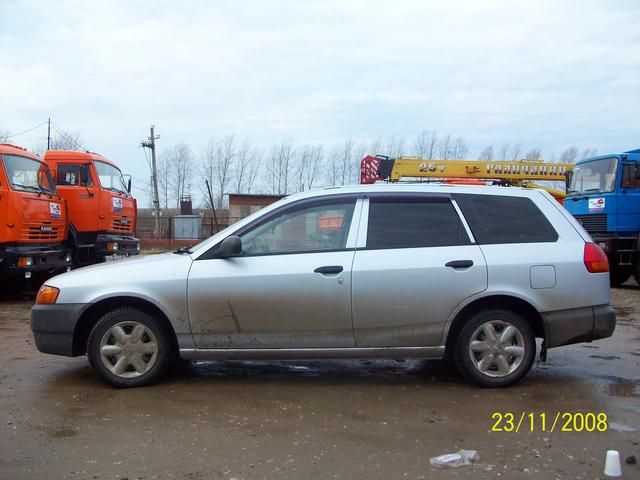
[102, 212]
[33, 217]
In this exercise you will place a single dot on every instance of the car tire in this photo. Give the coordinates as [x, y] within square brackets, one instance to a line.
[495, 348]
[128, 348]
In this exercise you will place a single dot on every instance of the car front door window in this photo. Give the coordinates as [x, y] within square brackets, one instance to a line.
[314, 228]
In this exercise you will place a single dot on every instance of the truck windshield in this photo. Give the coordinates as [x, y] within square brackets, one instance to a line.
[110, 177]
[28, 175]
[595, 176]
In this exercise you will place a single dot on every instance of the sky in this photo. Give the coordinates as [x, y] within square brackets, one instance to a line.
[547, 74]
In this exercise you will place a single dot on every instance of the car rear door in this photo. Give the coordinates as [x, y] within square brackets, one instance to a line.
[414, 264]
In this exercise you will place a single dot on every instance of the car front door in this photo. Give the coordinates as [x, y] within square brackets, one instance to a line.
[289, 288]
[414, 264]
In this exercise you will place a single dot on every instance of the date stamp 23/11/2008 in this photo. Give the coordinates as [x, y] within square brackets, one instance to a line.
[549, 422]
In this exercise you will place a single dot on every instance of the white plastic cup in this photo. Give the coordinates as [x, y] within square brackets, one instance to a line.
[612, 464]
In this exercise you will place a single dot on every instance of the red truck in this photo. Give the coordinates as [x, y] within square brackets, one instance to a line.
[102, 211]
[33, 219]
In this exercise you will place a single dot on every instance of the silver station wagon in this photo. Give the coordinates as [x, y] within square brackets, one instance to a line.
[474, 274]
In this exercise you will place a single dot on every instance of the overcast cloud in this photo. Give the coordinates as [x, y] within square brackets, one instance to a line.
[547, 74]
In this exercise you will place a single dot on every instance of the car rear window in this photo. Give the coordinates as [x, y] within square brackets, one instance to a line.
[413, 222]
[505, 219]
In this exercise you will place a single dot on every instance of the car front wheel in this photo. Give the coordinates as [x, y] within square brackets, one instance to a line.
[128, 348]
[495, 348]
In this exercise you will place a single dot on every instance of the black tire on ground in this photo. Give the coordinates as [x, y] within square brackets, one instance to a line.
[495, 348]
[128, 348]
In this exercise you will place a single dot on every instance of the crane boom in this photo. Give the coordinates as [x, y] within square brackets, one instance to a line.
[515, 173]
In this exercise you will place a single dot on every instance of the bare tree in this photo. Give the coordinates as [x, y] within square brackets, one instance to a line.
[65, 140]
[332, 167]
[344, 161]
[61, 140]
[425, 144]
[569, 155]
[279, 167]
[246, 166]
[375, 148]
[359, 153]
[254, 167]
[515, 152]
[533, 154]
[163, 172]
[444, 147]
[459, 149]
[180, 171]
[308, 163]
[4, 135]
[587, 152]
[312, 170]
[487, 153]
[503, 154]
[394, 147]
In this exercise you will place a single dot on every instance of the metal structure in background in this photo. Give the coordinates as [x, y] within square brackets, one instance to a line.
[151, 144]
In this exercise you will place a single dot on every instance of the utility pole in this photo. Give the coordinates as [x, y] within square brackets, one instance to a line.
[151, 144]
[49, 135]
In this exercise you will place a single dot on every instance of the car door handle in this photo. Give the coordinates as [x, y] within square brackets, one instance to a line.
[459, 264]
[329, 269]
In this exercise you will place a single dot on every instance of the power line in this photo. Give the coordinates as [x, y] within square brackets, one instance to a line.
[26, 131]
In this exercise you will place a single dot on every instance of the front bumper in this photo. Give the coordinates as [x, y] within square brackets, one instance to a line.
[127, 245]
[44, 258]
[53, 327]
[576, 325]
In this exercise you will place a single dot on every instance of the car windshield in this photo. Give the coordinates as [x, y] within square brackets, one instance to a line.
[596, 176]
[110, 177]
[27, 174]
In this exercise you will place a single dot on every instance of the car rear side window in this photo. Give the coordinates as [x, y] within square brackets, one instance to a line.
[411, 222]
[505, 219]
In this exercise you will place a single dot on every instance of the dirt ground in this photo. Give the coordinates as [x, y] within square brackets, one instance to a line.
[329, 419]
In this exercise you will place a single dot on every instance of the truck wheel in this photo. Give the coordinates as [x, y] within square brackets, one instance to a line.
[495, 348]
[128, 348]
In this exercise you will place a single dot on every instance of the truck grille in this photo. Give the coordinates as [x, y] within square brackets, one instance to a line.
[593, 223]
[122, 224]
[45, 231]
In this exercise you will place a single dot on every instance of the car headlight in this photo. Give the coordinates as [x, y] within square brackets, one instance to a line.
[47, 295]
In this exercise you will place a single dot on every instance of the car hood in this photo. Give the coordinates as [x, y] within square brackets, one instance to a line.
[128, 272]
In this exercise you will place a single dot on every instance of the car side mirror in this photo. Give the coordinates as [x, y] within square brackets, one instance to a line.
[84, 174]
[129, 185]
[230, 247]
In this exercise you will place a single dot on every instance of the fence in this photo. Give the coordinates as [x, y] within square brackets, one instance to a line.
[165, 237]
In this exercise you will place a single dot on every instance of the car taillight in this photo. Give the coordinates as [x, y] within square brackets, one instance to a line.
[595, 259]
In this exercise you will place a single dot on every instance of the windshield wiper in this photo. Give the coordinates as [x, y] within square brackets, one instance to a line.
[592, 190]
[183, 250]
[31, 188]
[113, 189]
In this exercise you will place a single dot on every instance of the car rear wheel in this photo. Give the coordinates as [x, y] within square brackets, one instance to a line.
[128, 348]
[495, 348]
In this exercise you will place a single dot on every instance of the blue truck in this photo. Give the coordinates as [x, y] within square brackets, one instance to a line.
[604, 196]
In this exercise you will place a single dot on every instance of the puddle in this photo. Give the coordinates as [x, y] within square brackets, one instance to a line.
[624, 389]
[623, 311]
[605, 357]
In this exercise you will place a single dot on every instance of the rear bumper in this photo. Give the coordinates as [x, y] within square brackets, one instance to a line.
[53, 327]
[576, 325]
[43, 258]
[127, 245]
